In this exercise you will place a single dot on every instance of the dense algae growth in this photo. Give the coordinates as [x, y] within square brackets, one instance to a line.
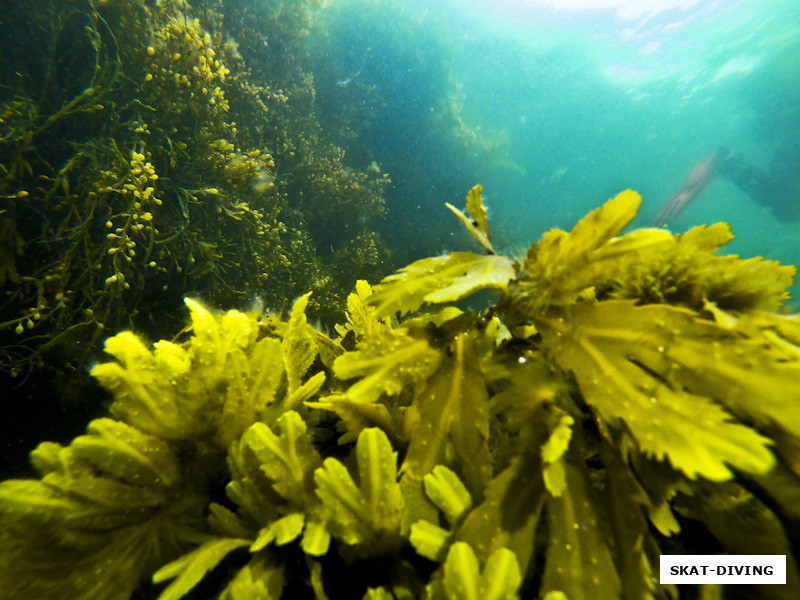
[149, 150]
[627, 396]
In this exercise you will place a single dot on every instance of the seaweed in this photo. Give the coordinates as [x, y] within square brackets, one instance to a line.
[147, 154]
[552, 446]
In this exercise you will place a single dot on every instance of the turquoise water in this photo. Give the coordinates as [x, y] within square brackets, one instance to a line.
[572, 102]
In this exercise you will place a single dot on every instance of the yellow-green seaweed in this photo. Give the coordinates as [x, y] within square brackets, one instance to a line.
[552, 447]
[151, 150]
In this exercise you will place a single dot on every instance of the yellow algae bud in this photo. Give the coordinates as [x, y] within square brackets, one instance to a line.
[19, 329]
[212, 191]
[151, 51]
[176, 56]
[148, 77]
[111, 280]
[152, 263]
[147, 216]
[109, 224]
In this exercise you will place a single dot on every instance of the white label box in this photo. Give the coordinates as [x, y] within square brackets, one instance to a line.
[723, 568]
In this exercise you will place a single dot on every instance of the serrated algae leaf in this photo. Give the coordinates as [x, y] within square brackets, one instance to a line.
[288, 458]
[448, 493]
[626, 359]
[444, 488]
[386, 363]
[439, 279]
[464, 580]
[262, 578]
[97, 523]
[685, 272]
[299, 347]
[366, 513]
[134, 457]
[555, 269]
[189, 569]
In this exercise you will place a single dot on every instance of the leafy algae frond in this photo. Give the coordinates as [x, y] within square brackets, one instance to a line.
[553, 447]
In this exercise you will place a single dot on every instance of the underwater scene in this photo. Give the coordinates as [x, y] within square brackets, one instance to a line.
[397, 299]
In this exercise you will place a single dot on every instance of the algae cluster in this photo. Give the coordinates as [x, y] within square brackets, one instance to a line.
[626, 396]
[151, 149]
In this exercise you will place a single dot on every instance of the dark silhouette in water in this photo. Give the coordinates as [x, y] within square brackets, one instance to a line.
[777, 187]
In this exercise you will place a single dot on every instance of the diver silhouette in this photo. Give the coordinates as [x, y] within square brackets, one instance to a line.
[777, 187]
